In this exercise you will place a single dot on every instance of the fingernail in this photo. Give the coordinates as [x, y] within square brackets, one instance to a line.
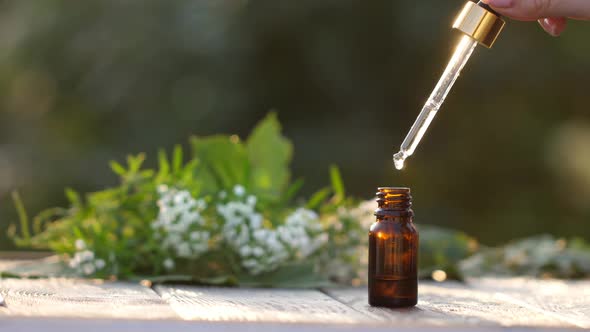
[500, 3]
[550, 27]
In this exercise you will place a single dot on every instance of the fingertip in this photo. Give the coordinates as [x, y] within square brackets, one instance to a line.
[499, 3]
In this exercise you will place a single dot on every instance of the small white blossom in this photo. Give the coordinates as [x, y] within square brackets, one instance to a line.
[99, 264]
[162, 189]
[258, 247]
[239, 190]
[256, 221]
[168, 264]
[183, 250]
[88, 269]
[251, 200]
[257, 251]
[302, 232]
[80, 245]
[200, 247]
[84, 261]
[245, 251]
[200, 204]
[180, 224]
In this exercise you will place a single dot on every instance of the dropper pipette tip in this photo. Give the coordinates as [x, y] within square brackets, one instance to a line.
[398, 160]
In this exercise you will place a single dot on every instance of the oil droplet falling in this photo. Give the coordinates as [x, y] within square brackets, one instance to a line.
[398, 160]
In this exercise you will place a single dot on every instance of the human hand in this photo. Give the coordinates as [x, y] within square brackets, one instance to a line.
[551, 14]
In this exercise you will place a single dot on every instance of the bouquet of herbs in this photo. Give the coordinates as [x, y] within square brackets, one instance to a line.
[227, 214]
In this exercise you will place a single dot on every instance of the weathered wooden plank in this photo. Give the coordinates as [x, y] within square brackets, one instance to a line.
[258, 305]
[20, 324]
[24, 255]
[81, 298]
[46, 266]
[451, 304]
[567, 301]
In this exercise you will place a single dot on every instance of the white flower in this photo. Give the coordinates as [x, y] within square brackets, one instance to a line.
[261, 234]
[302, 232]
[162, 189]
[222, 194]
[251, 200]
[250, 263]
[183, 250]
[263, 249]
[88, 269]
[256, 221]
[200, 247]
[80, 244]
[243, 229]
[239, 190]
[257, 251]
[86, 255]
[99, 264]
[200, 204]
[179, 225]
[168, 264]
[245, 251]
[83, 262]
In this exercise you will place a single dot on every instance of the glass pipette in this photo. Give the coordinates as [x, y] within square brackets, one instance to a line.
[436, 99]
[480, 24]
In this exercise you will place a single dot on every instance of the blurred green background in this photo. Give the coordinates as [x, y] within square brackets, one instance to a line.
[83, 82]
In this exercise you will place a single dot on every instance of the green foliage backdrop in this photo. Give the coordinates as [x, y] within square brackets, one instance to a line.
[87, 82]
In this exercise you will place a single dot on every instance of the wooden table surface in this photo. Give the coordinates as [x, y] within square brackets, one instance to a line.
[488, 304]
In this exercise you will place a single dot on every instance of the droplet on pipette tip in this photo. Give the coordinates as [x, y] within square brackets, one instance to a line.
[398, 160]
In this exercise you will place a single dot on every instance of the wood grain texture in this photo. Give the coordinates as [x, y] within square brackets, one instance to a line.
[23, 255]
[20, 324]
[42, 267]
[488, 304]
[451, 304]
[568, 301]
[258, 305]
[81, 298]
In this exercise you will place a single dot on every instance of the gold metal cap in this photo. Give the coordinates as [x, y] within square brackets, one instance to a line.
[479, 23]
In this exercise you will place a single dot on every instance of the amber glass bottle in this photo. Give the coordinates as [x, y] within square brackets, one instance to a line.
[393, 251]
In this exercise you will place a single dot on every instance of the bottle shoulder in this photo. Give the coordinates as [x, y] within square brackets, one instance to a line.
[394, 225]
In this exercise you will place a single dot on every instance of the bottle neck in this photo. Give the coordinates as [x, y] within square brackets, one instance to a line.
[393, 201]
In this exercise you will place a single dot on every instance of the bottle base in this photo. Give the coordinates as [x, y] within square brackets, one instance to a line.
[392, 302]
[393, 291]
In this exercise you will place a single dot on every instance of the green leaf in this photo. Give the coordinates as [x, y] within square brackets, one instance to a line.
[22, 216]
[222, 163]
[269, 154]
[117, 168]
[293, 189]
[318, 198]
[177, 159]
[163, 166]
[337, 183]
[135, 162]
[46, 216]
[73, 197]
